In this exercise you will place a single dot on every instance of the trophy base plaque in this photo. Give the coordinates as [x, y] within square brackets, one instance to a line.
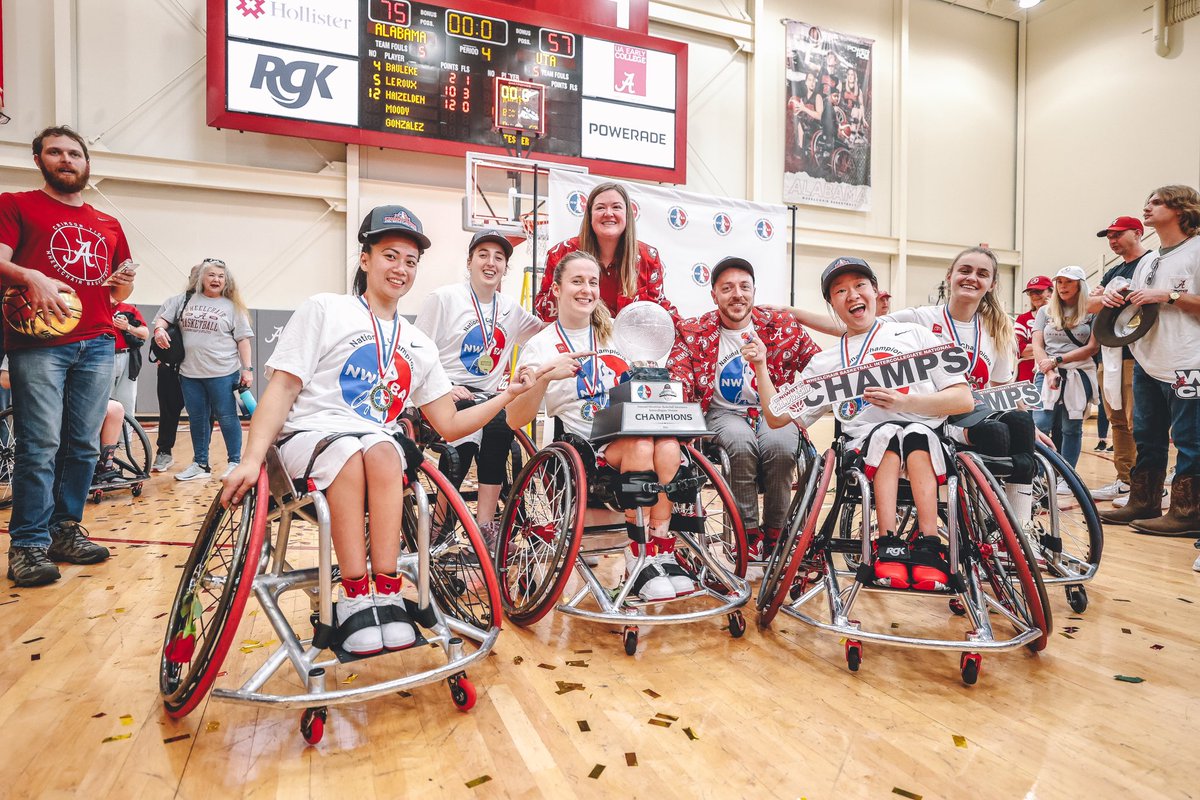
[649, 419]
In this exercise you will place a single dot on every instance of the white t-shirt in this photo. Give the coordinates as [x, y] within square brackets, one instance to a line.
[736, 386]
[449, 318]
[1174, 341]
[329, 344]
[892, 338]
[994, 365]
[575, 400]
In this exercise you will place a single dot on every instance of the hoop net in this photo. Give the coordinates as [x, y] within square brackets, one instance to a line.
[537, 232]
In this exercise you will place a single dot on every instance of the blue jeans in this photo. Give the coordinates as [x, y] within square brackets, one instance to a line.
[1160, 418]
[1072, 429]
[59, 394]
[204, 399]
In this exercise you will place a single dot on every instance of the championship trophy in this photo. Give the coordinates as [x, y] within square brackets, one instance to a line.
[648, 402]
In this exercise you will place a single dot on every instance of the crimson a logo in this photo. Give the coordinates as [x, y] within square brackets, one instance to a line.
[252, 8]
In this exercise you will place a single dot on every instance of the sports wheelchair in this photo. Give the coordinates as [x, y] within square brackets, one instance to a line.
[990, 568]
[456, 601]
[542, 541]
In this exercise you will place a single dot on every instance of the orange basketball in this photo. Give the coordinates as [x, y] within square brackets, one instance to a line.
[20, 314]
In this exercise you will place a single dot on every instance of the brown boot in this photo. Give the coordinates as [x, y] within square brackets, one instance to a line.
[1183, 519]
[1145, 498]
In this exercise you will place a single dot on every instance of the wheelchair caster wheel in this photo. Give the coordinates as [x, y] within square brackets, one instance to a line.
[96, 496]
[1077, 598]
[957, 608]
[631, 639]
[737, 625]
[969, 665]
[136, 491]
[462, 691]
[312, 723]
[854, 653]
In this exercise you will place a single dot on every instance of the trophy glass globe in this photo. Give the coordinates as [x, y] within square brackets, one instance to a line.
[644, 333]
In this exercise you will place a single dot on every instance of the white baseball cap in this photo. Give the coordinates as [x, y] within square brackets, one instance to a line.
[1072, 272]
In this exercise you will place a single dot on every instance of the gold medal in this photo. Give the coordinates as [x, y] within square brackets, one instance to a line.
[485, 363]
[380, 397]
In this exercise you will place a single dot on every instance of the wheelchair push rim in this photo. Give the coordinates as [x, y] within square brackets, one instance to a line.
[1076, 527]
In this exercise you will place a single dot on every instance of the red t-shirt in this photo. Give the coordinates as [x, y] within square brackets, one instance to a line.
[1023, 328]
[74, 244]
[135, 318]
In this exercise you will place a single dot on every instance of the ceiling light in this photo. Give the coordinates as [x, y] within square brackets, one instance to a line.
[1027, 3]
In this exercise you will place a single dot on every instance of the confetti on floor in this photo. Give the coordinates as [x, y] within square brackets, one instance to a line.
[960, 741]
[1129, 678]
[98, 716]
[1185, 600]
[596, 770]
[179, 738]
[631, 759]
[116, 738]
[1156, 647]
[577, 663]
[482, 779]
[126, 719]
[35, 657]
[583, 725]
[691, 734]
[905, 793]
[582, 652]
[1065, 635]
[212, 727]
[518, 659]
[668, 717]
[547, 666]
[1071, 629]
[351, 678]
[31, 641]
[1126, 630]
[652, 693]
[567, 686]
[662, 723]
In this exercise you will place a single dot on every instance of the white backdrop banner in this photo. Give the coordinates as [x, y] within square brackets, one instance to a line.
[692, 232]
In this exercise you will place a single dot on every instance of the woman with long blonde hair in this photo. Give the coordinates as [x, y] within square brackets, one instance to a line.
[629, 269]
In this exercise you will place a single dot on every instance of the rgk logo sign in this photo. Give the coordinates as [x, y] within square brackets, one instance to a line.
[291, 84]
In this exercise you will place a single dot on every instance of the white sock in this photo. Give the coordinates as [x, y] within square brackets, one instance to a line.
[1020, 497]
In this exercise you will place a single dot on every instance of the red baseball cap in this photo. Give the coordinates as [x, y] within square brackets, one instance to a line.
[1123, 224]
[1037, 283]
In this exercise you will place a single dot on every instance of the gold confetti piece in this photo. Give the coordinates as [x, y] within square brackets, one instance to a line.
[126, 719]
[691, 734]
[1156, 647]
[119, 610]
[596, 770]
[351, 678]
[212, 727]
[1065, 635]
[960, 741]
[577, 663]
[547, 666]
[98, 716]
[582, 652]
[566, 686]
[95, 616]
[895, 624]
[482, 779]
[652, 693]
[583, 725]
[660, 723]
[179, 738]
[109, 588]
[518, 660]
[250, 648]
[905, 793]
[631, 759]
[1126, 630]
[1120, 600]
[1129, 679]
[249, 641]
[667, 717]
[116, 738]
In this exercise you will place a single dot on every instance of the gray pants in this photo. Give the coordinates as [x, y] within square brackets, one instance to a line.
[124, 391]
[767, 456]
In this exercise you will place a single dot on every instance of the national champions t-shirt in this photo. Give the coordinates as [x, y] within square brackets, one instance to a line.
[736, 385]
[576, 400]
[77, 245]
[330, 345]
[994, 364]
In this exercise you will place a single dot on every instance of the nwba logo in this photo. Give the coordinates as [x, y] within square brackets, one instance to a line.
[701, 274]
[637, 209]
[722, 223]
[643, 392]
[577, 203]
[252, 8]
[677, 218]
[764, 230]
[1187, 384]
[291, 84]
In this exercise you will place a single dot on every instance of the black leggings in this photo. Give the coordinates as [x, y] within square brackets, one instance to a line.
[170, 404]
[1010, 434]
[491, 454]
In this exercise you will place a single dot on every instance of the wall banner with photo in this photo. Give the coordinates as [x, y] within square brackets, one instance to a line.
[827, 144]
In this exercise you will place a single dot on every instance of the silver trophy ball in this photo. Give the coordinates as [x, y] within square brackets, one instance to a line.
[644, 333]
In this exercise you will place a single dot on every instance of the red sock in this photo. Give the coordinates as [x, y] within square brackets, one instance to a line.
[387, 584]
[356, 587]
[663, 544]
[637, 547]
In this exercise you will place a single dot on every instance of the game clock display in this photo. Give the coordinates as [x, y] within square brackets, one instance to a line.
[450, 79]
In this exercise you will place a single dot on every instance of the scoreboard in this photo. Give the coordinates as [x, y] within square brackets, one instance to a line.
[450, 78]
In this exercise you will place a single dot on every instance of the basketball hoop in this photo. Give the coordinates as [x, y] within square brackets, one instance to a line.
[537, 238]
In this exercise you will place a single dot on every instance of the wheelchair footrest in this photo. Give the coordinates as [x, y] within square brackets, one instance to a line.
[345, 657]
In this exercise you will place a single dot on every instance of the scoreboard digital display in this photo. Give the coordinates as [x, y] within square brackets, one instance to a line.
[442, 78]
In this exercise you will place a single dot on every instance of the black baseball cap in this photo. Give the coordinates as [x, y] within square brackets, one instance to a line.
[393, 219]
[730, 262]
[840, 266]
[495, 237]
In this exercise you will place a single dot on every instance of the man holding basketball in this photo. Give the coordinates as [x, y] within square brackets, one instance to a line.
[58, 264]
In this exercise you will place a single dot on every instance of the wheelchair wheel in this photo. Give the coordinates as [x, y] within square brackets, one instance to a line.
[132, 457]
[461, 578]
[212, 594]
[8, 456]
[716, 524]
[1071, 550]
[542, 530]
[1003, 557]
[793, 551]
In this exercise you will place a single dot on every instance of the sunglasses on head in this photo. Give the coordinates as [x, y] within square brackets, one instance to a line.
[216, 262]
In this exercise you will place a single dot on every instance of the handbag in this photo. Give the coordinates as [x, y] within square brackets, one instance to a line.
[171, 355]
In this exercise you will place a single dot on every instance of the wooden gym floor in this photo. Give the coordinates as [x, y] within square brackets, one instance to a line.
[774, 714]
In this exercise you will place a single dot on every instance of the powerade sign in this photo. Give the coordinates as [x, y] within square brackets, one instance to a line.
[618, 132]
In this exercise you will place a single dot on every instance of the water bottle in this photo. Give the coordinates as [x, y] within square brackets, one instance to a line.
[245, 401]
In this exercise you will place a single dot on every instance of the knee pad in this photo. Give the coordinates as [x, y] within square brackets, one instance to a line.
[637, 489]
[990, 437]
[682, 488]
[1024, 467]
[1021, 430]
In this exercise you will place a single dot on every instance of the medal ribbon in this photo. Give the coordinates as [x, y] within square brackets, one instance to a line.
[592, 387]
[954, 336]
[488, 336]
[385, 364]
[845, 350]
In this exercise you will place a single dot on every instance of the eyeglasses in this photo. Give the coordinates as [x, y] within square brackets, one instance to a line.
[1153, 271]
[216, 262]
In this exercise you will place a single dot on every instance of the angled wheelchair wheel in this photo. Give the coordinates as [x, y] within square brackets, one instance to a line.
[1007, 566]
[542, 530]
[715, 522]
[1069, 538]
[462, 580]
[132, 457]
[211, 597]
[791, 565]
[8, 456]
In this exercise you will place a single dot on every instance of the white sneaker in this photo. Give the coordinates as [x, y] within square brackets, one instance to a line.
[656, 586]
[365, 641]
[1123, 500]
[680, 580]
[193, 472]
[1196, 564]
[1112, 491]
[396, 635]
[229, 468]
[1062, 488]
[162, 462]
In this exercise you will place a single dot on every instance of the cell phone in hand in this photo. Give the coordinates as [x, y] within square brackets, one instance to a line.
[128, 265]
